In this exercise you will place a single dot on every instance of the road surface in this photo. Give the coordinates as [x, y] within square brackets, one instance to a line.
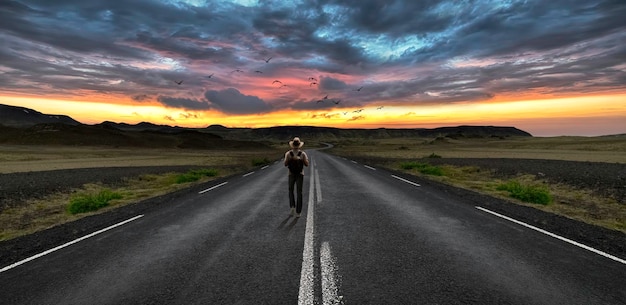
[366, 236]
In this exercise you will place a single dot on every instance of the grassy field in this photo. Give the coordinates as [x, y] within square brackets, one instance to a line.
[24, 158]
[52, 210]
[581, 204]
[392, 153]
[593, 149]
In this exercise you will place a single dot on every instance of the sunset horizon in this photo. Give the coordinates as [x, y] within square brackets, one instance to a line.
[550, 69]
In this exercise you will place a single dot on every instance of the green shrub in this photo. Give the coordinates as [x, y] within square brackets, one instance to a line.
[526, 193]
[82, 203]
[432, 170]
[195, 175]
[423, 168]
[411, 165]
[260, 161]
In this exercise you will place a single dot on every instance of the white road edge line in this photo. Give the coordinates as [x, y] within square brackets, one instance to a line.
[617, 259]
[264, 167]
[354, 162]
[68, 244]
[213, 187]
[369, 167]
[248, 174]
[407, 181]
[306, 292]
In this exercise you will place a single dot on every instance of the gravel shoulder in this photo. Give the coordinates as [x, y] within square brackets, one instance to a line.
[606, 178]
[16, 188]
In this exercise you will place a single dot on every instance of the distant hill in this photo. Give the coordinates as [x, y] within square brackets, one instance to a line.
[14, 116]
[330, 133]
[143, 126]
[107, 135]
[19, 125]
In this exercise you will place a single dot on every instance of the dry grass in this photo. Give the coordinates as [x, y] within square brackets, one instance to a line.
[36, 215]
[593, 149]
[571, 202]
[16, 158]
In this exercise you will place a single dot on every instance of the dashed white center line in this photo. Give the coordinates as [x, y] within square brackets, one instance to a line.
[248, 174]
[366, 166]
[264, 167]
[617, 259]
[353, 161]
[212, 188]
[407, 181]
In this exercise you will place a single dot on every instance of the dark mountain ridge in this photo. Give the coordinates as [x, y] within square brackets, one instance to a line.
[14, 116]
[285, 132]
[21, 125]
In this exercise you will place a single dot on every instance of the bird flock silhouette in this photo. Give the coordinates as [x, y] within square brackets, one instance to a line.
[312, 82]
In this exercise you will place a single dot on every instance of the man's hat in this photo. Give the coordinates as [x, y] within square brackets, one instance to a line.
[296, 143]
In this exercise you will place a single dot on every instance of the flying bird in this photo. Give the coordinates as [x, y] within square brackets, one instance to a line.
[276, 81]
[337, 102]
[178, 82]
[320, 101]
[267, 60]
[209, 76]
[313, 83]
[236, 70]
[381, 107]
[257, 71]
[326, 97]
[313, 79]
[283, 85]
[359, 89]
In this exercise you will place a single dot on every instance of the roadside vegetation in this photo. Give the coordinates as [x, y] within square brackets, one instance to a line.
[195, 175]
[89, 202]
[411, 156]
[94, 198]
[527, 193]
[407, 154]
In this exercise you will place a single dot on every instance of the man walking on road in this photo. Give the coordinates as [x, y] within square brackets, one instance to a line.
[296, 160]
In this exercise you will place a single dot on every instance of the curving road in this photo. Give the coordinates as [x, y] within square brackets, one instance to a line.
[366, 237]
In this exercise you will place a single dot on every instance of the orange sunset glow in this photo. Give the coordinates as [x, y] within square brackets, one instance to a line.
[260, 70]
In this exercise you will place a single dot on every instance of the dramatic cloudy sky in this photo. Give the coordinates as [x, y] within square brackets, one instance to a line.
[553, 67]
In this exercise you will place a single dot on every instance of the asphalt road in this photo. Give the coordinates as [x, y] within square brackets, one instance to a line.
[365, 237]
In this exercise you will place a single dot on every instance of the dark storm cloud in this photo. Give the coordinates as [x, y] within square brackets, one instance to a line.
[329, 83]
[393, 17]
[462, 51]
[294, 30]
[184, 103]
[234, 102]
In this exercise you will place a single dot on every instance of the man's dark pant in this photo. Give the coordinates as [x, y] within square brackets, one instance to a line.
[297, 180]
